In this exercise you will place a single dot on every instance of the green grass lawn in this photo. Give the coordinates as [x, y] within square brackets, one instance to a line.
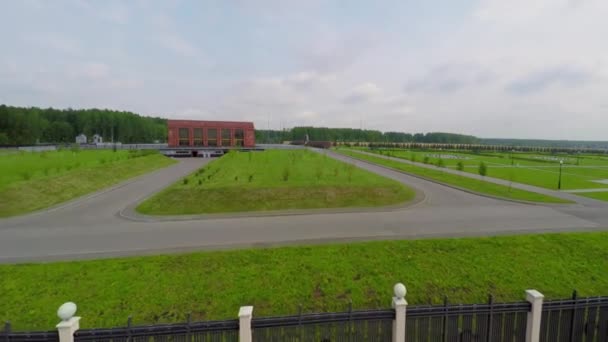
[579, 171]
[36, 180]
[273, 180]
[213, 285]
[460, 181]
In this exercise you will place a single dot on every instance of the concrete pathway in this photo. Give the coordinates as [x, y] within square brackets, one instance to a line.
[574, 191]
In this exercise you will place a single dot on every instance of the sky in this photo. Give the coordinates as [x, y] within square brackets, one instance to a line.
[490, 68]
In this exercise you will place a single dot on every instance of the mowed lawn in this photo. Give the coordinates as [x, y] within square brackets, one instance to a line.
[475, 185]
[213, 285]
[542, 170]
[31, 181]
[275, 180]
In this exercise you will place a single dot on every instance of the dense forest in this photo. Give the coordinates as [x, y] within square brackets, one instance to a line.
[27, 126]
[359, 135]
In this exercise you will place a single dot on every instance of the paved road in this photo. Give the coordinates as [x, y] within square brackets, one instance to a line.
[92, 227]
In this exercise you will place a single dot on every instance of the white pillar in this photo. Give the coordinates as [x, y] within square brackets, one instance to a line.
[533, 327]
[400, 305]
[245, 314]
[69, 323]
[66, 329]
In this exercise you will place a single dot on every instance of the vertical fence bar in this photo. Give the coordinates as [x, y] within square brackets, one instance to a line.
[535, 298]
[245, 314]
[445, 319]
[572, 318]
[490, 318]
[400, 305]
[7, 331]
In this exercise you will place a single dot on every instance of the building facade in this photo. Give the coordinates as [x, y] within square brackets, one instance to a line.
[194, 133]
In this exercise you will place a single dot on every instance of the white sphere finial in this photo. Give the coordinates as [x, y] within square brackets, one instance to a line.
[399, 290]
[66, 311]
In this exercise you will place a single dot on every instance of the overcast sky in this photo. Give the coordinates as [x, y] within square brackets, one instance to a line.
[491, 68]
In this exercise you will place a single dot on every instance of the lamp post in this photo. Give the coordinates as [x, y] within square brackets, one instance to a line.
[559, 182]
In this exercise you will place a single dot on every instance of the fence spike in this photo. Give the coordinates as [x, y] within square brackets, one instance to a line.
[129, 321]
[7, 330]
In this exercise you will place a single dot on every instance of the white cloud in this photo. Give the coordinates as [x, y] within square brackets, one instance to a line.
[178, 45]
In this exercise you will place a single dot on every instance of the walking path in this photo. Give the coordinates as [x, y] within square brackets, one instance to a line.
[559, 194]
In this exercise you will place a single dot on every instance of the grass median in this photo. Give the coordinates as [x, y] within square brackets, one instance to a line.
[467, 183]
[213, 285]
[36, 180]
[275, 180]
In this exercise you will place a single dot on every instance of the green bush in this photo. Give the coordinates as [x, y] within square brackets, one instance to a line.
[185, 181]
[483, 169]
[286, 173]
[460, 166]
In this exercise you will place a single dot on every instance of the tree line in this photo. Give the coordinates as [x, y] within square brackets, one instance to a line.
[354, 135]
[28, 126]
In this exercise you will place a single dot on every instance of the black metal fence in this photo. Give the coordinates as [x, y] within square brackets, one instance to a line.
[7, 335]
[212, 331]
[575, 320]
[491, 322]
[571, 320]
[351, 326]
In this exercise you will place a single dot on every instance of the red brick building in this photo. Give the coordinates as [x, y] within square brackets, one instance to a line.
[194, 133]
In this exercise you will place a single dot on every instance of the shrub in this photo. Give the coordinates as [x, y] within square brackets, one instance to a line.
[250, 178]
[46, 171]
[413, 158]
[236, 178]
[286, 173]
[483, 169]
[319, 173]
[440, 163]
[185, 181]
[460, 166]
[200, 182]
[26, 175]
[426, 160]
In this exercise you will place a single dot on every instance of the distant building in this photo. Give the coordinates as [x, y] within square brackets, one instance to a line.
[97, 139]
[192, 133]
[81, 139]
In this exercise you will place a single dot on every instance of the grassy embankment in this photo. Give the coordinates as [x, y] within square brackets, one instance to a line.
[212, 285]
[31, 181]
[479, 186]
[275, 180]
[580, 171]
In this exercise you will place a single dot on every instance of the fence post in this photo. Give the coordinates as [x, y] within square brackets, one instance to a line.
[533, 327]
[245, 313]
[69, 323]
[400, 305]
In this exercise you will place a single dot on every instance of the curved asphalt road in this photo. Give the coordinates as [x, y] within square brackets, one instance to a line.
[92, 227]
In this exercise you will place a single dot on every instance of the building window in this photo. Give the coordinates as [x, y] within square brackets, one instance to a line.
[239, 135]
[212, 137]
[225, 137]
[198, 137]
[184, 137]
